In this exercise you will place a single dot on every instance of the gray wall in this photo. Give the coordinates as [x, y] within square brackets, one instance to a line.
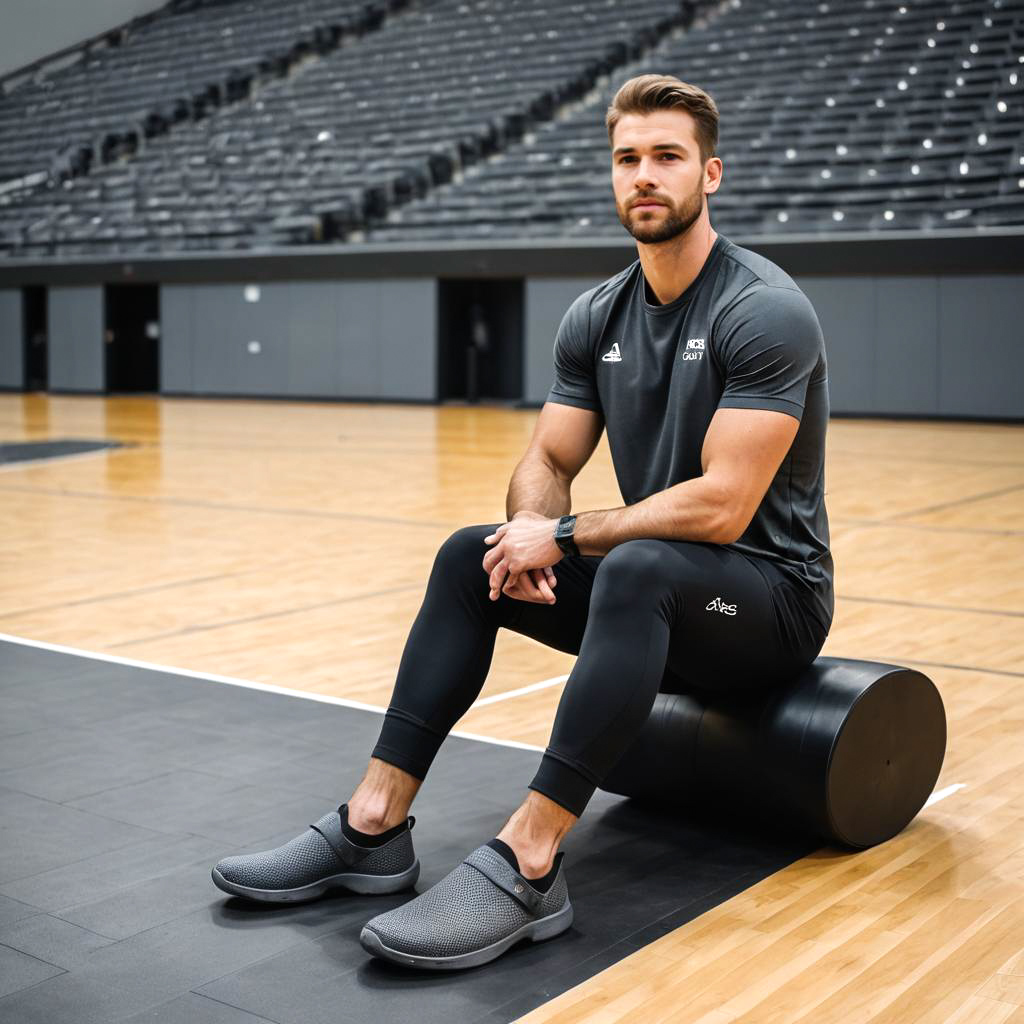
[937, 345]
[344, 339]
[546, 301]
[75, 338]
[36, 28]
[12, 334]
[925, 345]
[948, 345]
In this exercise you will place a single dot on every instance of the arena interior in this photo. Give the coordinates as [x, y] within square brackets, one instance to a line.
[279, 288]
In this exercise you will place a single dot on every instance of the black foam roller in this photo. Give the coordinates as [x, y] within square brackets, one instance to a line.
[851, 750]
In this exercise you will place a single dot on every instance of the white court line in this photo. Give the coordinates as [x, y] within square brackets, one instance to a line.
[941, 794]
[543, 684]
[323, 698]
[326, 698]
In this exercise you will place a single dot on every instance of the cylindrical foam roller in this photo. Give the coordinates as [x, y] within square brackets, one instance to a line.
[850, 750]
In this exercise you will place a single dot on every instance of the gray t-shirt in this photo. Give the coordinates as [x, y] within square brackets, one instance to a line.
[741, 336]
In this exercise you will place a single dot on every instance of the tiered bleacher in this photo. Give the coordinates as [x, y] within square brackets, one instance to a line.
[835, 116]
[476, 119]
[174, 65]
[346, 137]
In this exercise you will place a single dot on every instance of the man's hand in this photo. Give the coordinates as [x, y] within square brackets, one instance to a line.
[525, 550]
[533, 585]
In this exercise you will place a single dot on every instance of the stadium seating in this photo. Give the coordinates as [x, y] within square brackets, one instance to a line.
[475, 119]
[346, 137]
[176, 64]
[835, 117]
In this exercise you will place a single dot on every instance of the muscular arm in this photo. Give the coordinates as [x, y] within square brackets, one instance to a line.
[563, 439]
[742, 452]
[536, 487]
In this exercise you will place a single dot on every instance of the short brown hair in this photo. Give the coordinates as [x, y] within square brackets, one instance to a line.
[647, 93]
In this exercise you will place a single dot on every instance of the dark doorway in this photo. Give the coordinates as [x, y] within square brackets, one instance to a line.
[480, 339]
[132, 337]
[33, 307]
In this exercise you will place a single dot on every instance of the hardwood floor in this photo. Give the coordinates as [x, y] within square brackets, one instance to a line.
[290, 543]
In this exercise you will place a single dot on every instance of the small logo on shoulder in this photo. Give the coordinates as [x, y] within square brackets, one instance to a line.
[718, 605]
[694, 349]
[613, 355]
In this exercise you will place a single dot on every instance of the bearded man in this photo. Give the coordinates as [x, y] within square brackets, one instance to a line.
[706, 364]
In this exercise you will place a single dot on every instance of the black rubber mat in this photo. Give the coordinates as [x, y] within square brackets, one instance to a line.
[36, 451]
[121, 786]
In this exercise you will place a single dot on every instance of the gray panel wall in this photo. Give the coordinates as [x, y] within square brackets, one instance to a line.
[906, 327]
[981, 345]
[75, 338]
[912, 345]
[908, 345]
[947, 345]
[345, 339]
[176, 305]
[846, 310]
[12, 334]
[546, 300]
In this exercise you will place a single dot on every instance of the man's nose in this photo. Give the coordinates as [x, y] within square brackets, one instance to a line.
[646, 173]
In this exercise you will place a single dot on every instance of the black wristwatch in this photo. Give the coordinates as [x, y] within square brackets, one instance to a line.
[563, 535]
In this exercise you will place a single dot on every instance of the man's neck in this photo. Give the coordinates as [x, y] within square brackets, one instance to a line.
[671, 267]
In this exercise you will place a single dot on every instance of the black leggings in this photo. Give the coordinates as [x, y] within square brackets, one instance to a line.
[650, 615]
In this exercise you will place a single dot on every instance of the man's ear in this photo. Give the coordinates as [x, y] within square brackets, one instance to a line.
[712, 175]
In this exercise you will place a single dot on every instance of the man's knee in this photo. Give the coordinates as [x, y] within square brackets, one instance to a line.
[633, 569]
[641, 558]
[466, 547]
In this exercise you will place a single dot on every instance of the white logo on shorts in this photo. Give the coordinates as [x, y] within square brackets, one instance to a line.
[718, 605]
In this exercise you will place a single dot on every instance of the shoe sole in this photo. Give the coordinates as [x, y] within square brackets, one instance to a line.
[546, 928]
[367, 885]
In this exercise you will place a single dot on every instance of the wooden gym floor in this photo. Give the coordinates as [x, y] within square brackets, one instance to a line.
[290, 543]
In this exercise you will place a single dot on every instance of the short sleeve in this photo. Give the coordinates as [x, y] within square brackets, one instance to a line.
[575, 382]
[769, 344]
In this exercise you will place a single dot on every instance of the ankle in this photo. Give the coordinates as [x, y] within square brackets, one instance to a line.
[373, 820]
[382, 800]
[534, 861]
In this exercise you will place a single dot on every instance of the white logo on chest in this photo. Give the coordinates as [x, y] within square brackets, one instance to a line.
[694, 349]
[613, 355]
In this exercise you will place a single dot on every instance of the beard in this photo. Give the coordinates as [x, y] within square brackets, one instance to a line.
[676, 221]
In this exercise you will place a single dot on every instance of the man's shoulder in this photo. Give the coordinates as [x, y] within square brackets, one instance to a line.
[749, 283]
[743, 270]
[607, 290]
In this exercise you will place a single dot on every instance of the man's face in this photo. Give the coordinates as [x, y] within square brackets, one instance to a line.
[658, 175]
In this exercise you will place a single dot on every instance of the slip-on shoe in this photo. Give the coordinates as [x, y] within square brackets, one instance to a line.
[474, 914]
[320, 859]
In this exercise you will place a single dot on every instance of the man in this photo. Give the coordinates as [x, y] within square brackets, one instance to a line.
[706, 364]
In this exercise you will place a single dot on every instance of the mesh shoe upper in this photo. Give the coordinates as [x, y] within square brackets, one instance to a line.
[463, 912]
[300, 861]
[309, 857]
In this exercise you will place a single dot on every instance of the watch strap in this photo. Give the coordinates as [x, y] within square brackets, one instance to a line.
[565, 542]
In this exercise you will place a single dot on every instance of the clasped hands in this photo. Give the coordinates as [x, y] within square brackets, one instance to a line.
[520, 563]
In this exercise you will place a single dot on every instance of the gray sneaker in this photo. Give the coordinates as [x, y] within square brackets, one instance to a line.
[473, 915]
[320, 859]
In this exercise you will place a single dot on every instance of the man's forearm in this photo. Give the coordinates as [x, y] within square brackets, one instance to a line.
[693, 510]
[537, 488]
